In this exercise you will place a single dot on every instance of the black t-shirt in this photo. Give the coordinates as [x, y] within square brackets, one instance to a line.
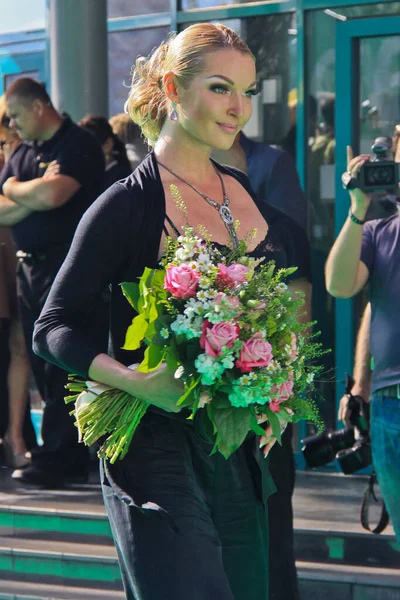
[116, 239]
[80, 156]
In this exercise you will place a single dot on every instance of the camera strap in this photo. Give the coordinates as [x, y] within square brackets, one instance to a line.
[370, 495]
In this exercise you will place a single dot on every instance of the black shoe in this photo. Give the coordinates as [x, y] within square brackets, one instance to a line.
[41, 475]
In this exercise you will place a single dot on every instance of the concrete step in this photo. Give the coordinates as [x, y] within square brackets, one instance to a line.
[21, 590]
[59, 562]
[347, 548]
[320, 541]
[343, 582]
[94, 526]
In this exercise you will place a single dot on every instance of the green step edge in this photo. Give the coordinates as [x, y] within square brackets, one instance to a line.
[66, 566]
[62, 522]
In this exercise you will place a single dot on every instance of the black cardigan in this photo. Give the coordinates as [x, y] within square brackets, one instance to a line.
[117, 238]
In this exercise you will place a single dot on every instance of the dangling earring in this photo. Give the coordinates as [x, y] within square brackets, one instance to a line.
[173, 115]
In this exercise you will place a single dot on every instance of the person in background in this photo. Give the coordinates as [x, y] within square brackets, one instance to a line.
[45, 187]
[288, 143]
[362, 373]
[369, 252]
[283, 577]
[116, 159]
[272, 174]
[16, 429]
[127, 131]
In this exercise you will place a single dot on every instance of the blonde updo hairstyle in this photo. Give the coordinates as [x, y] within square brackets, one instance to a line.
[183, 54]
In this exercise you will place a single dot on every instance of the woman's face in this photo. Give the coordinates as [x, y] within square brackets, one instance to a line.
[217, 103]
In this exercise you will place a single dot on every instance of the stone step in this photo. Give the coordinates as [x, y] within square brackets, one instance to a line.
[336, 546]
[15, 520]
[346, 582]
[320, 541]
[22, 590]
[59, 562]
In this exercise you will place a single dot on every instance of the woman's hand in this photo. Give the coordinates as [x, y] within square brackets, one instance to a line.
[360, 201]
[267, 441]
[159, 388]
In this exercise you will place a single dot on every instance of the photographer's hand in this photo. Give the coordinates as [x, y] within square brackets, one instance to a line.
[360, 201]
[344, 413]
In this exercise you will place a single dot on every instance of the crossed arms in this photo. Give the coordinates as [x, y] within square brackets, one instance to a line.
[19, 199]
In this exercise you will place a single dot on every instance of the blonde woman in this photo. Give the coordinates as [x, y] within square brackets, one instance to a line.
[185, 524]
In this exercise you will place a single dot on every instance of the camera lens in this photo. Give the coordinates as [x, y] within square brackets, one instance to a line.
[355, 458]
[379, 175]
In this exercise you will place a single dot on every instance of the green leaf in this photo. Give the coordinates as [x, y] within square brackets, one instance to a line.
[232, 424]
[274, 422]
[153, 357]
[157, 282]
[189, 387]
[254, 426]
[151, 332]
[136, 333]
[131, 293]
[172, 360]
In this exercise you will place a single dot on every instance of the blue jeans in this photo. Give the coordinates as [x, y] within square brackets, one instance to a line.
[385, 437]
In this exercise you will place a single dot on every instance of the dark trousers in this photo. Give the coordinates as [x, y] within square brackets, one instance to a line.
[28, 429]
[283, 577]
[60, 439]
[187, 524]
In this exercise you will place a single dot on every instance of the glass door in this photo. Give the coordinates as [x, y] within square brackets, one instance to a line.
[367, 107]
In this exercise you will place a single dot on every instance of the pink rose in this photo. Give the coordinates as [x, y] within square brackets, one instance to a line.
[231, 301]
[284, 391]
[293, 349]
[215, 337]
[182, 282]
[231, 276]
[256, 352]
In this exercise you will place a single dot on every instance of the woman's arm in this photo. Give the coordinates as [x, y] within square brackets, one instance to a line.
[104, 241]
[159, 387]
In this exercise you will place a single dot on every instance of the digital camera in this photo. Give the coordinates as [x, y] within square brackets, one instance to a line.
[350, 446]
[380, 173]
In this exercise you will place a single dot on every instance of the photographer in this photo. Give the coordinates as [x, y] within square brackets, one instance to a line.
[371, 252]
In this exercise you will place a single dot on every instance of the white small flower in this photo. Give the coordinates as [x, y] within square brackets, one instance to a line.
[272, 366]
[164, 333]
[202, 295]
[181, 255]
[282, 287]
[204, 283]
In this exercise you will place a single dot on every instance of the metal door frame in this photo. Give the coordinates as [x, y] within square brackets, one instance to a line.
[348, 35]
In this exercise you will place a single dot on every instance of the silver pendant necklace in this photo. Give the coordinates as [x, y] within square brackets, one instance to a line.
[223, 209]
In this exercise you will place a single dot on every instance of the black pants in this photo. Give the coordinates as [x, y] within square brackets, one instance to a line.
[187, 524]
[283, 577]
[28, 430]
[60, 440]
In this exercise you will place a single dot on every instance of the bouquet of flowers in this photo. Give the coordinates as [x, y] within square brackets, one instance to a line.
[229, 325]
